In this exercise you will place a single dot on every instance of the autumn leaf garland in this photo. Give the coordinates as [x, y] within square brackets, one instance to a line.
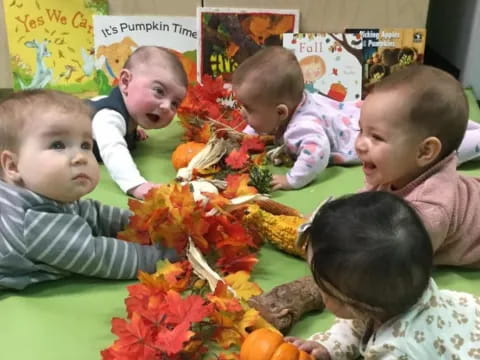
[172, 314]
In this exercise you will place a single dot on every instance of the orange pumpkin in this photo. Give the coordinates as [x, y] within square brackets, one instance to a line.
[184, 153]
[266, 344]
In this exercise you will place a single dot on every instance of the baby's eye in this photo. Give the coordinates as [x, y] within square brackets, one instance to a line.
[57, 145]
[87, 145]
[377, 137]
[159, 91]
[175, 104]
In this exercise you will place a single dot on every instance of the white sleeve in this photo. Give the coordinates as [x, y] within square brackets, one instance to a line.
[109, 129]
[249, 130]
[342, 340]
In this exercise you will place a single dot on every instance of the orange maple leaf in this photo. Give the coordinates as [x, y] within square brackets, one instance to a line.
[237, 185]
[224, 299]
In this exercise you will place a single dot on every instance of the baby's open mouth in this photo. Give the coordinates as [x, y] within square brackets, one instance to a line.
[153, 117]
[368, 167]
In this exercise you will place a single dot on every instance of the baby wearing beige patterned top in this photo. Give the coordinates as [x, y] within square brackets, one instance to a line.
[443, 324]
[371, 257]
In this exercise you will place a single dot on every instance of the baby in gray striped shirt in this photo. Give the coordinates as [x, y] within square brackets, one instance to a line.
[47, 231]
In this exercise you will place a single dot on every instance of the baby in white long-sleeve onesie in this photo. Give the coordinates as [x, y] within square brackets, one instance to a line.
[151, 86]
[315, 129]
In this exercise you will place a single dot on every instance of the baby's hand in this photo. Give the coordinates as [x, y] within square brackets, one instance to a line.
[317, 350]
[280, 182]
[141, 190]
[141, 134]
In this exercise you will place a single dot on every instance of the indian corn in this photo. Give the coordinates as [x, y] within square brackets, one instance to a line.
[279, 230]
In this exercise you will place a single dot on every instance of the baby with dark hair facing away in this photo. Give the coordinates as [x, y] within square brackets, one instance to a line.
[371, 257]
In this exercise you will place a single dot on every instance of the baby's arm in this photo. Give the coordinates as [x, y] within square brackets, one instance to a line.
[309, 142]
[105, 220]
[317, 350]
[342, 340]
[109, 129]
[68, 242]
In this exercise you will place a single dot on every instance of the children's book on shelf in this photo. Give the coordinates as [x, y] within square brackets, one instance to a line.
[386, 50]
[51, 44]
[331, 63]
[116, 37]
[227, 36]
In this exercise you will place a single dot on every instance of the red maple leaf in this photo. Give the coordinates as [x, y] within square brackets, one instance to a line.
[230, 264]
[237, 159]
[252, 143]
[171, 341]
[191, 309]
[135, 338]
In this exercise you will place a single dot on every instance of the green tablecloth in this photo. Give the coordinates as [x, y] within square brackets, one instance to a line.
[70, 319]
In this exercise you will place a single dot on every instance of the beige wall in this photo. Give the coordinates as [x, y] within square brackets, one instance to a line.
[335, 15]
[315, 15]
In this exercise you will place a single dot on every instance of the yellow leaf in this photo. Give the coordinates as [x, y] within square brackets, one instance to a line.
[248, 320]
[243, 288]
[226, 337]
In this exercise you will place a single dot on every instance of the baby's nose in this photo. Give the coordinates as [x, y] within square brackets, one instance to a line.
[79, 158]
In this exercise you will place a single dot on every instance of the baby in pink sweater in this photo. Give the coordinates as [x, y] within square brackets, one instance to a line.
[411, 126]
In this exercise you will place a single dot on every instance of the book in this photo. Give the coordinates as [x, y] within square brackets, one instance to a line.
[116, 37]
[227, 36]
[51, 44]
[386, 50]
[331, 63]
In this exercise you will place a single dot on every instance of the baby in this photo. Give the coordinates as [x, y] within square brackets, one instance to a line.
[47, 165]
[152, 85]
[410, 128]
[371, 257]
[316, 130]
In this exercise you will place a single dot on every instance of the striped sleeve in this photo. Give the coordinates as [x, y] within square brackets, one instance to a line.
[104, 219]
[65, 241]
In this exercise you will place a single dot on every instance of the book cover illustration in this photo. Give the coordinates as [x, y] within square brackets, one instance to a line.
[116, 37]
[386, 50]
[228, 36]
[331, 63]
[51, 44]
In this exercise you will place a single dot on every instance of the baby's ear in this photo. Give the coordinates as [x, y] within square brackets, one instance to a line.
[8, 162]
[428, 151]
[124, 79]
[283, 112]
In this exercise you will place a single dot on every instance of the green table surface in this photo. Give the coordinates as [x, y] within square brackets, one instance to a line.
[70, 318]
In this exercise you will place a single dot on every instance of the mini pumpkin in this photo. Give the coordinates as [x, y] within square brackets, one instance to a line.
[184, 152]
[266, 344]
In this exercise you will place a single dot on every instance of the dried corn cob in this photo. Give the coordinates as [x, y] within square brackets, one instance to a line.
[279, 230]
[276, 208]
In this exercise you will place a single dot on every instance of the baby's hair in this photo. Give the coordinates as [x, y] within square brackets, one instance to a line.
[145, 54]
[437, 105]
[21, 108]
[277, 72]
[372, 252]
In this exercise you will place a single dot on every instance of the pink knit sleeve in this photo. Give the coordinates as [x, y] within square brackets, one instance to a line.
[436, 221]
